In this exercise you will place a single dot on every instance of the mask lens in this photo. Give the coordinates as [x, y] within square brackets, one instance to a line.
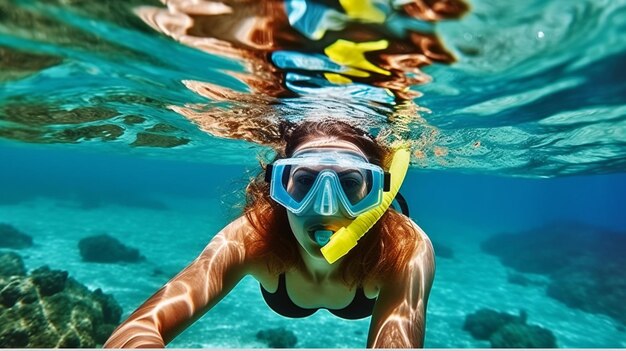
[356, 184]
[352, 183]
[298, 181]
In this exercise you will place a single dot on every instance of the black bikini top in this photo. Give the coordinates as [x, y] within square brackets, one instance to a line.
[360, 307]
[280, 302]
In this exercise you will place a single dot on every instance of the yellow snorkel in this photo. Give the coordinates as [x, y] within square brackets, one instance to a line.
[346, 238]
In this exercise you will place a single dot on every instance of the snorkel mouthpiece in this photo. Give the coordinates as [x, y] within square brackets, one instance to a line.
[322, 237]
[346, 238]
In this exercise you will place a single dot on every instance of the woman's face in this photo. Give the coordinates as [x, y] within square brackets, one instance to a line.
[306, 223]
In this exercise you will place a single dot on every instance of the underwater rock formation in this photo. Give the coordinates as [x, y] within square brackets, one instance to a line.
[12, 238]
[158, 140]
[517, 335]
[592, 289]
[38, 114]
[278, 338]
[104, 132]
[442, 251]
[17, 64]
[37, 122]
[523, 280]
[504, 330]
[484, 322]
[133, 119]
[157, 136]
[104, 248]
[57, 31]
[49, 309]
[584, 264]
[11, 264]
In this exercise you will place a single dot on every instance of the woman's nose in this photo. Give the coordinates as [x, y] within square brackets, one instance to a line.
[325, 200]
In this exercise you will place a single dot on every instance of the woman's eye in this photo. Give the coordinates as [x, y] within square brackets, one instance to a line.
[350, 183]
[305, 180]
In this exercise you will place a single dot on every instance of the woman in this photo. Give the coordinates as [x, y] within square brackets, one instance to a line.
[329, 174]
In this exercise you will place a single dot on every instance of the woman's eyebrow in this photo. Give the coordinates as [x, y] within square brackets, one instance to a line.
[354, 170]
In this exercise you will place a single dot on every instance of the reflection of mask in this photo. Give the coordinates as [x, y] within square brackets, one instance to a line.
[326, 182]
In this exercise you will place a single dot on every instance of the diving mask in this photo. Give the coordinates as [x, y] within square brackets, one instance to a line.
[327, 182]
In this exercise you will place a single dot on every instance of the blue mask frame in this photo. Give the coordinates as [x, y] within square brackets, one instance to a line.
[326, 192]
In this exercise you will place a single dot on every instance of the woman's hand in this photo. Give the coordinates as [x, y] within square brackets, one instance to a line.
[189, 295]
[399, 317]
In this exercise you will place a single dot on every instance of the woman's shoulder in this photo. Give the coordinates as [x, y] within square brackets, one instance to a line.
[413, 249]
[423, 250]
[412, 231]
[422, 236]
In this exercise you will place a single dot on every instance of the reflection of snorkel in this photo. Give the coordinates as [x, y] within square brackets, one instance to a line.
[346, 238]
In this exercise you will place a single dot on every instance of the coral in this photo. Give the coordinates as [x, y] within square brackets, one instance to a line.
[49, 309]
[48, 282]
[11, 264]
[106, 249]
[12, 238]
[484, 322]
[278, 338]
[504, 330]
[517, 335]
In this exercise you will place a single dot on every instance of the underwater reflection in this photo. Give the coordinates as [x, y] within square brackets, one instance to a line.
[353, 60]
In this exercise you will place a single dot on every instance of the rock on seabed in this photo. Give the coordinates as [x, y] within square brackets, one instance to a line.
[49, 309]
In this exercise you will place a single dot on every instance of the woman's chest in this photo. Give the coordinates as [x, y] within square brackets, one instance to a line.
[309, 293]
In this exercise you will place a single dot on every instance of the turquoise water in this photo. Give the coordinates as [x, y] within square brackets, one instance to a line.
[525, 131]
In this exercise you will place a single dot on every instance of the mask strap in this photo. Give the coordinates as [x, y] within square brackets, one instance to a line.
[268, 172]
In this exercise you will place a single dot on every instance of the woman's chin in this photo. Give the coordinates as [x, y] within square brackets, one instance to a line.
[312, 248]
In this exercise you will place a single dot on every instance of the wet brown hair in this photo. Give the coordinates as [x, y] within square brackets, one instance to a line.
[385, 249]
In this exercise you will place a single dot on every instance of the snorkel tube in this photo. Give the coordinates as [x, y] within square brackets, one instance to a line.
[345, 239]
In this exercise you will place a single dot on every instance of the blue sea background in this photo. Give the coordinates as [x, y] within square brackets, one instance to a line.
[169, 203]
[171, 209]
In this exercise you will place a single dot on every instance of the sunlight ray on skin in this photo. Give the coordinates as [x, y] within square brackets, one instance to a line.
[185, 300]
[138, 338]
[394, 329]
[157, 321]
[400, 328]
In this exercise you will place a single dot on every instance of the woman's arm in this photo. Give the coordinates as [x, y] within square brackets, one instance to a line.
[399, 317]
[189, 295]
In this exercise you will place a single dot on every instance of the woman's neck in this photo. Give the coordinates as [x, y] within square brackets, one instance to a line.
[317, 269]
